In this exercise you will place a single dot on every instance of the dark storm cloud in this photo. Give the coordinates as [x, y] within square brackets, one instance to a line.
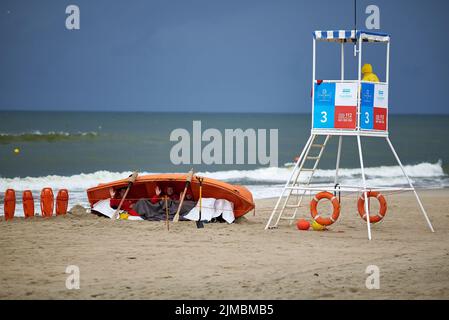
[207, 55]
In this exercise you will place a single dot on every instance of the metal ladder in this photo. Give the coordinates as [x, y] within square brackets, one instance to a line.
[293, 182]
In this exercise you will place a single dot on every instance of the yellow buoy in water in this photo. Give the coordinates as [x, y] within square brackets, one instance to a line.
[16, 150]
[317, 227]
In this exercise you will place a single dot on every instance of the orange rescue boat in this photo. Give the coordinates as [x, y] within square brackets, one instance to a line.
[144, 187]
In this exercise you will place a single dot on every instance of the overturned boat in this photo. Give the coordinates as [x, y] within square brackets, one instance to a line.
[144, 188]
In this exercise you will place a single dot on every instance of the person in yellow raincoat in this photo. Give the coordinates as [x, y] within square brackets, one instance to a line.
[368, 74]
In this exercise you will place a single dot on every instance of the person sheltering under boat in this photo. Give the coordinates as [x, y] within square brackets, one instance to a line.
[127, 205]
[169, 192]
[155, 207]
[159, 197]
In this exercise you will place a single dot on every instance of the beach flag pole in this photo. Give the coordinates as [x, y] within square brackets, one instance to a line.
[188, 181]
[131, 179]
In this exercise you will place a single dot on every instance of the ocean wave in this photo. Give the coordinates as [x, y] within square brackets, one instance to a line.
[36, 136]
[280, 175]
[391, 175]
[263, 182]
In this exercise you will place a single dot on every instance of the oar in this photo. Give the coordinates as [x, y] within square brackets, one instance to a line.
[199, 223]
[167, 220]
[131, 179]
[188, 181]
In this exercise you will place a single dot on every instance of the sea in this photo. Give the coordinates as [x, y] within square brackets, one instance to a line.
[79, 150]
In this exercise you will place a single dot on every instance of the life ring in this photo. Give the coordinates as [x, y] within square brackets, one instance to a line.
[314, 211]
[383, 206]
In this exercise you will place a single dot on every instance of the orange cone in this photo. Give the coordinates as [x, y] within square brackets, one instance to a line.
[47, 202]
[62, 202]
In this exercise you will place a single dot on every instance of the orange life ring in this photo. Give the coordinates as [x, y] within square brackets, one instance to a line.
[314, 211]
[383, 206]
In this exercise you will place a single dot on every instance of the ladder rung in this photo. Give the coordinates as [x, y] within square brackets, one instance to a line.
[318, 145]
[291, 206]
[312, 158]
[308, 170]
[287, 218]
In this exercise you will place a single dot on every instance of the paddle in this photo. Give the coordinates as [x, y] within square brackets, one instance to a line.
[188, 181]
[167, 220]
[199, 223]
[131, 179]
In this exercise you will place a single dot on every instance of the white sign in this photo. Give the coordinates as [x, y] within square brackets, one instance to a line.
[381, 95]
[346, 94]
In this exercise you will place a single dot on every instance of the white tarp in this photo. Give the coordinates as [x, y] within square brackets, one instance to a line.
[212, 208]
[104, 207]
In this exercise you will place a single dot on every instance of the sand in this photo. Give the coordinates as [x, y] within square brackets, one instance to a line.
[141, 260]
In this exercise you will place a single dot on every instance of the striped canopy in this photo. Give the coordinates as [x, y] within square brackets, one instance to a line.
[350, 36]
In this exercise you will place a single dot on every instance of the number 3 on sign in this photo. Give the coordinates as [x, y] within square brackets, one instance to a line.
[324, 117]
[366, 117]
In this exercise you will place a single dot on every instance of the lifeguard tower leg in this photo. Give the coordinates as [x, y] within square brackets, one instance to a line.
[411, 185]
[337, 165]
[303, 153]
[368, 225]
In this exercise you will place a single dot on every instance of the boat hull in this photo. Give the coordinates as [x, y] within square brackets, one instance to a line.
[144, 188]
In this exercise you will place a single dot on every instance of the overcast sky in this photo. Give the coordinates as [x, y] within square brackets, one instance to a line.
[209, 55]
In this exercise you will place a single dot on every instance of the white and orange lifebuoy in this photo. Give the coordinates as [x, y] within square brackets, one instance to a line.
[314, 211]
[383, 206]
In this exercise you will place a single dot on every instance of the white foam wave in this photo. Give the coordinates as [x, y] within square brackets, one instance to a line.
[279, 175]
[263, 182]
[50, 133]
[76, 182]
[273, 175]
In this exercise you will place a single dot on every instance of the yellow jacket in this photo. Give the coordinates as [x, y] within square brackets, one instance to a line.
[368, 74]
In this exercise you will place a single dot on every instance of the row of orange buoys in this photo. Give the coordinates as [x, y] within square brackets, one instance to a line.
[47, 203]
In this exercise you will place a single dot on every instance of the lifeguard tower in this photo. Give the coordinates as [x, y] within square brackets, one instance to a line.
[342, 108]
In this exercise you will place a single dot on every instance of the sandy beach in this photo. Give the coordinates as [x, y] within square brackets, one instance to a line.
[141, 260]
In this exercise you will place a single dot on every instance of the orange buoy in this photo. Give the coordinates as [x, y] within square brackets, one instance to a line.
[303, 225]
[28, 204]
[47, 202]
[10, 204]
[382, 210]
[335, 203]
[62, 202]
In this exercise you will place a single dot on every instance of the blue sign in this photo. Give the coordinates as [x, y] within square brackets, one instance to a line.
[366, 117]
[323, 117]
[367, 94]
[324, 94]
[324, 106]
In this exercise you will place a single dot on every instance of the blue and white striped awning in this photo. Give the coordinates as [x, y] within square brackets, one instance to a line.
[350, 36]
